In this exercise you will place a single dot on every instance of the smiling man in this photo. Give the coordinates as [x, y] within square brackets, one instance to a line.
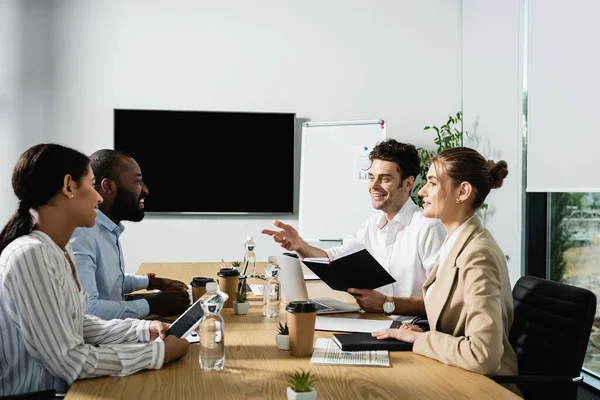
[98, 254]
[404, 242]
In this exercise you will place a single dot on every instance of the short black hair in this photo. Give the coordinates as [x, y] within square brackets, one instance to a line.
[104, 164]
[404, 155]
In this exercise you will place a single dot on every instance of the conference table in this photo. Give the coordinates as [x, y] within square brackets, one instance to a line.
[256, 369]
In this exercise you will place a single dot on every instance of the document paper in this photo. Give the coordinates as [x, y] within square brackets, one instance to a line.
[326, 352]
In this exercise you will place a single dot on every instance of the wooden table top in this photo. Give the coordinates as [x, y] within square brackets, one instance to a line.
[256, 369]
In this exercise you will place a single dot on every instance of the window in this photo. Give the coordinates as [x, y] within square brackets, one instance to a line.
[574, 253]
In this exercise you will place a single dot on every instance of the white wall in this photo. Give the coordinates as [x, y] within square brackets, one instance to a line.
[25, 86]
[335, 60]
[492, 90]
[9, 19]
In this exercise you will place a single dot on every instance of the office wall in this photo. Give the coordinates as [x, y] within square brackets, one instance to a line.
[335, 60]
[25, 86]
[492, 89]
[8, 53]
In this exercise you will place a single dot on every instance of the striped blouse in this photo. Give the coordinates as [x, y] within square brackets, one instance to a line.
[46, 340]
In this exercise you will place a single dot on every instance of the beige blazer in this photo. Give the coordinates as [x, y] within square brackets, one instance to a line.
[470, 308]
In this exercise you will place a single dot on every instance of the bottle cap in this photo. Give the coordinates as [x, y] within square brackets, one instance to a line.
[272, 259]
[200, 281]
[301, 307]
[226, 272]
[212, 287]
[249, 238]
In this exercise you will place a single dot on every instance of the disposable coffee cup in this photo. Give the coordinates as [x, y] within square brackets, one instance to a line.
[228, 283]
[301, 324]
[199, 287]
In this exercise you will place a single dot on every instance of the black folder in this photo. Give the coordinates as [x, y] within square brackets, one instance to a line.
[355, 270]
[364, 341]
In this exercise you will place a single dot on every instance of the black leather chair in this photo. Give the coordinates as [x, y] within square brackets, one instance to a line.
[43, 395]
[550, 334]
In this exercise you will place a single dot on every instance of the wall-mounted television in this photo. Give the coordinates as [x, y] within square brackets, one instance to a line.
[211, 162]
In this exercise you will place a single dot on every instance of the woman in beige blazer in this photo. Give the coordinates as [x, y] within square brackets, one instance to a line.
[468, 293]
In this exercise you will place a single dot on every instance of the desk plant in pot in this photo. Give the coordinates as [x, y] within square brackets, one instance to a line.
[241, 305]
[282, 338]
[237, 265]
[301, 386]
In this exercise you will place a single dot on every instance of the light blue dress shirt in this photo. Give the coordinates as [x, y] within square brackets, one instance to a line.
[101, 270]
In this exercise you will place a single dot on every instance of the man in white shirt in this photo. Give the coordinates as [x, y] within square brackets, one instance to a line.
[400, 238]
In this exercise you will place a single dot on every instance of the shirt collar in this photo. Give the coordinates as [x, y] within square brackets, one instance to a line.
[106, 222]
[404, 216]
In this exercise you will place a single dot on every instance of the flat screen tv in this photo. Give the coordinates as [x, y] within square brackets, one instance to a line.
[208, 162]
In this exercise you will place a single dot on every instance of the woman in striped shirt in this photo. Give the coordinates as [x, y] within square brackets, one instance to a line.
[46, 340]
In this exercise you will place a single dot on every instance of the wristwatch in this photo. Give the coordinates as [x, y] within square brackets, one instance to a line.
[388, 305]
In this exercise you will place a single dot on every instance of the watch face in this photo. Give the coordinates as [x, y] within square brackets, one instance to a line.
[388, 306]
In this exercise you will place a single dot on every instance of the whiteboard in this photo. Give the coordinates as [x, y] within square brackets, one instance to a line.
[334, 197]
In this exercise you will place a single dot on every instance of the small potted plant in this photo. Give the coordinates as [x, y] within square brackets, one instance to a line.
[282, 338]
[236, 264]
[240, 305]
[301, 386]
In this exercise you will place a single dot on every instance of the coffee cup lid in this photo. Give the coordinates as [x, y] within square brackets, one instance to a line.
[225, 272]
[294, 255]
[301, 307]
[200, 281]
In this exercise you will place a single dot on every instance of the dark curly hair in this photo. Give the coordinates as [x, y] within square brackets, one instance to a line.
[404, 155]
[105, 163]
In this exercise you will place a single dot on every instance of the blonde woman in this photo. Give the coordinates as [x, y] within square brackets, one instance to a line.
[467, 295]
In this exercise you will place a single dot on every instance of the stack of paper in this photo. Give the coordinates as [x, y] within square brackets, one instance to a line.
[333, 324]
[326, 352]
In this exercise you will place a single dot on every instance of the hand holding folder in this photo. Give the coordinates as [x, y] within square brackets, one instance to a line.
[356, 268]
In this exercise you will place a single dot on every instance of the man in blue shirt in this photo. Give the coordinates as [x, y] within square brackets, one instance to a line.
[98, 254]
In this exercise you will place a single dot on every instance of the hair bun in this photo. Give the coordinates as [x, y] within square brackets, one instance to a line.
[498, 171]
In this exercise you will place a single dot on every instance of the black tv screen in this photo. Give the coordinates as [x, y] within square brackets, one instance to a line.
[211, 162]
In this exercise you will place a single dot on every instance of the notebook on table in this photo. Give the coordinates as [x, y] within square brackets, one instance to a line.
[364, 341]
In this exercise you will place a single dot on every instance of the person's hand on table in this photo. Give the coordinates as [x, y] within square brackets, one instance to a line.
[175, 348]
[158, 330]
[406, 333]
[166, 284]
[368, 300]
[411, 327]
[168, 303]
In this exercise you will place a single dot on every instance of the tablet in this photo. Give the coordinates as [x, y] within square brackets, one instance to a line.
[188, 321]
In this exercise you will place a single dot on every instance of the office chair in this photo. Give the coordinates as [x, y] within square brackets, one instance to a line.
[43, 395]
[550, 333]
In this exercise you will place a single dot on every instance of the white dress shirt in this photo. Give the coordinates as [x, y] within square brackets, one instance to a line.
[46, 340]
[445, 250]
[407, 247]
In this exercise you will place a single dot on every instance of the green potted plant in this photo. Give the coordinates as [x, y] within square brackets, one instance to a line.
[240, 305]
[236, 264]
[282, 338]
[301, 386]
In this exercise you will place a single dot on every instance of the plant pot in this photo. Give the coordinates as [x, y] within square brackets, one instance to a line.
[241, 308]
[283, 341]
[291, 395]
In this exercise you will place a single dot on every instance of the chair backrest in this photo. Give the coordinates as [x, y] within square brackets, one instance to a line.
[551, 328]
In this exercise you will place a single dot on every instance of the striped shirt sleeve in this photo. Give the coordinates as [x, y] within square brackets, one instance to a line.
[40, 291]
[99, 331]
